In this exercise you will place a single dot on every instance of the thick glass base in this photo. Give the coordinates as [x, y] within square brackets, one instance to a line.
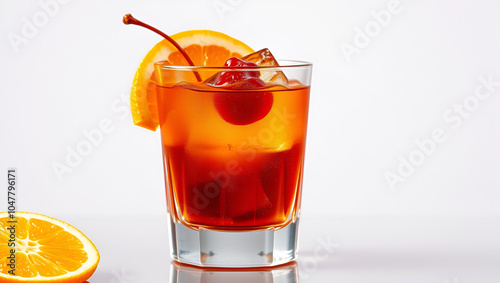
[233, 248]
[180, 273]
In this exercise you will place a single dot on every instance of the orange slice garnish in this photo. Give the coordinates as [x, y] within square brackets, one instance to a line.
[45, 250]
[204, 47]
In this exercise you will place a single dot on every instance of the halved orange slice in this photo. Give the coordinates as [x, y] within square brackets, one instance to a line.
[38, 248]
[204, 47]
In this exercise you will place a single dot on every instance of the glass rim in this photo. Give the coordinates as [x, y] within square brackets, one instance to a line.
[287, 64]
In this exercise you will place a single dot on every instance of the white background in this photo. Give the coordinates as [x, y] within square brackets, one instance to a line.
[74, 71]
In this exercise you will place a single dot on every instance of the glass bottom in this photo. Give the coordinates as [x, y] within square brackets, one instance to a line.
[180, 273]
[233, 248]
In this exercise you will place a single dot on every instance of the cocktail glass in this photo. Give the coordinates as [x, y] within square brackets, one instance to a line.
[233, 161]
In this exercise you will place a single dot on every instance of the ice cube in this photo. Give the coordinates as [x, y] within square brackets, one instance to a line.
[227, 78]
[264, 57]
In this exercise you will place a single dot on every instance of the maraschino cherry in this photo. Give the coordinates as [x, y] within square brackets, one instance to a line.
[242, 108]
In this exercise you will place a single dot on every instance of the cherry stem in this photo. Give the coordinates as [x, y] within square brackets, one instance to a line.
[128, 19]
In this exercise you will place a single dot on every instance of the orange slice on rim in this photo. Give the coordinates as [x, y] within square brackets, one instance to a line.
[204, 47]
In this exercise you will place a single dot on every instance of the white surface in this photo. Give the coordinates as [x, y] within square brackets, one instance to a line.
[349, 249]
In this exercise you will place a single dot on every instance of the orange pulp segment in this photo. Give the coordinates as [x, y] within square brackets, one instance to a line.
[45, 250]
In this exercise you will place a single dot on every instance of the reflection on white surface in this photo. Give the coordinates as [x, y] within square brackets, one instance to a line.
[345, 249]
[181, 273]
